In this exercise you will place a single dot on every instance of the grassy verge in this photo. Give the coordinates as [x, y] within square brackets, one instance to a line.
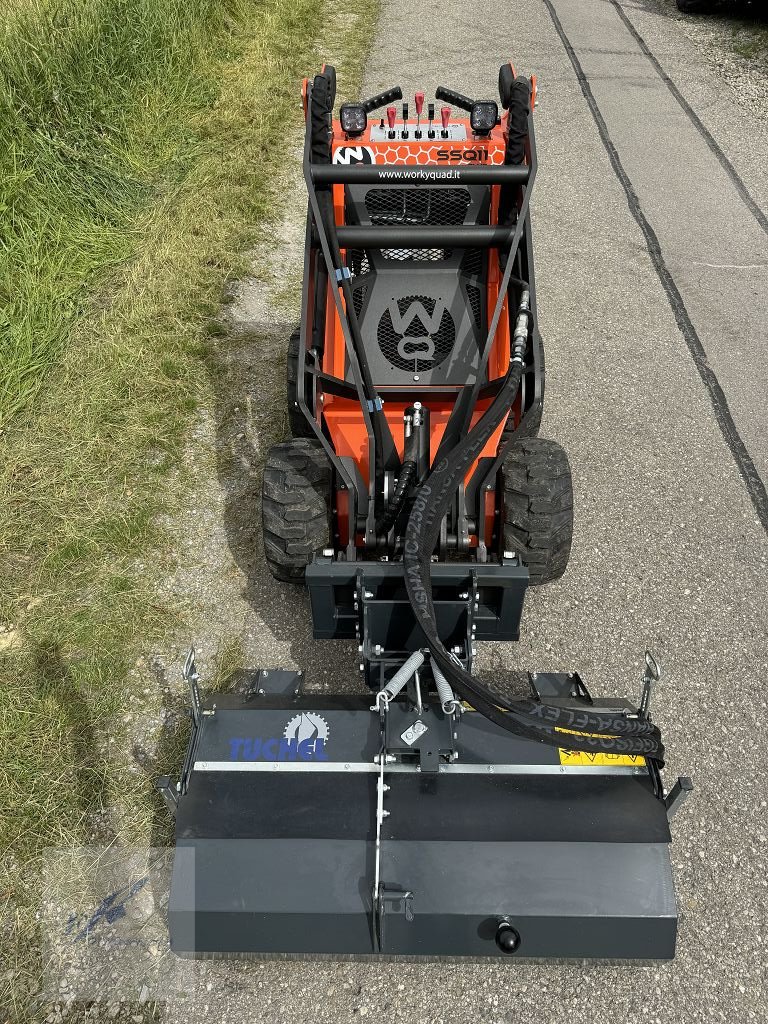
[138, 140]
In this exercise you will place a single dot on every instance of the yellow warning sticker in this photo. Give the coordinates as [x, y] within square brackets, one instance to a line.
[596, 760]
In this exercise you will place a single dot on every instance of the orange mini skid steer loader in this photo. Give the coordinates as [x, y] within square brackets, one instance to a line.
[415, 498]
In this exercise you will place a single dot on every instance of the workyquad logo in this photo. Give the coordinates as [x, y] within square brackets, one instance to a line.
[416, 331]
[303, 739]
[418, 344]
[354, 155]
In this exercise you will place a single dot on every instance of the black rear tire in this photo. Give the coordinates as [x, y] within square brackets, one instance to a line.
[538, 506]
[296, 421]
[295, 512]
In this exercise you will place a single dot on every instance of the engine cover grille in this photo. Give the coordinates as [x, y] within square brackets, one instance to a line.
[416, 332]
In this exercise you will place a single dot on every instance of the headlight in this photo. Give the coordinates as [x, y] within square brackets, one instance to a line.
[354, 119]
[483, 116]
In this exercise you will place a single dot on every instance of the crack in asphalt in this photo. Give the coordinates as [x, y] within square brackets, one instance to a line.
[722, 159]
[744, 462]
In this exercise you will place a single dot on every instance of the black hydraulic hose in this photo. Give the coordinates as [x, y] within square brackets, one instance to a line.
[375, 409]
[405, 479]
[609, 732]
[394, 508]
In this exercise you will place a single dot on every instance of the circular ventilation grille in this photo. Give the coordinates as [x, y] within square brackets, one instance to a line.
[416, 333]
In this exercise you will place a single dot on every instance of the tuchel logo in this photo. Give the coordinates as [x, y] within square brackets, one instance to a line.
[304, 739]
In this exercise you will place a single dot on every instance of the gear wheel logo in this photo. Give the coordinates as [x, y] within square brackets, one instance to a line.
[307, 726]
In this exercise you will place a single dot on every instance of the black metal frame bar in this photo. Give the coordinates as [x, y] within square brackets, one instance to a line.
[420, 174]
[470, 236]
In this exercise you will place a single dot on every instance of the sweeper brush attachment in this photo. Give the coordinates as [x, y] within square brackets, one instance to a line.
[435, 815]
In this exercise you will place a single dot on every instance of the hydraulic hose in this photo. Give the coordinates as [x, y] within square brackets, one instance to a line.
[393, 509]
[378, 422]
[601, 732]
[405, 480]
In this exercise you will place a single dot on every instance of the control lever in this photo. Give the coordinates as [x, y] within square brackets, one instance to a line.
[419, 104]
[404, 133]
[445, 113]
[391, 115]
[456, 99]
[389, 96]
[651, 676]
[431, 116]
[483, 114]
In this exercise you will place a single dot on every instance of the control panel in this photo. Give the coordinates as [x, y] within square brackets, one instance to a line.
[426, 132]
[405, 132]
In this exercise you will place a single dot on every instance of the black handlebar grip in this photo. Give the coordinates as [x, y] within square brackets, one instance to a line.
[382, 99]
[454, 98]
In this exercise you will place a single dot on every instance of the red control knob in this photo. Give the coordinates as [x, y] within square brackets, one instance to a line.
[391, 115]
[445, 113]
[419, 102]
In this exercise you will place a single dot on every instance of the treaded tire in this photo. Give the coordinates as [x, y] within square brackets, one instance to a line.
[297, 422]
[538, 507]
[295, 511]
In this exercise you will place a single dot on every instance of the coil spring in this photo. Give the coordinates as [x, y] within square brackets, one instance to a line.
[448, 701]
[400, 678]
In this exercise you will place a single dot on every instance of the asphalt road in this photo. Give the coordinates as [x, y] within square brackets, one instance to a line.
[652, 249]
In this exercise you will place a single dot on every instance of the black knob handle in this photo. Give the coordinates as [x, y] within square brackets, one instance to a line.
[454, 98]
[507, 938]
[383, 99]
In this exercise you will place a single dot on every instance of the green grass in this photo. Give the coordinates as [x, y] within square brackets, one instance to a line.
[139, 146]
[750, 40]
